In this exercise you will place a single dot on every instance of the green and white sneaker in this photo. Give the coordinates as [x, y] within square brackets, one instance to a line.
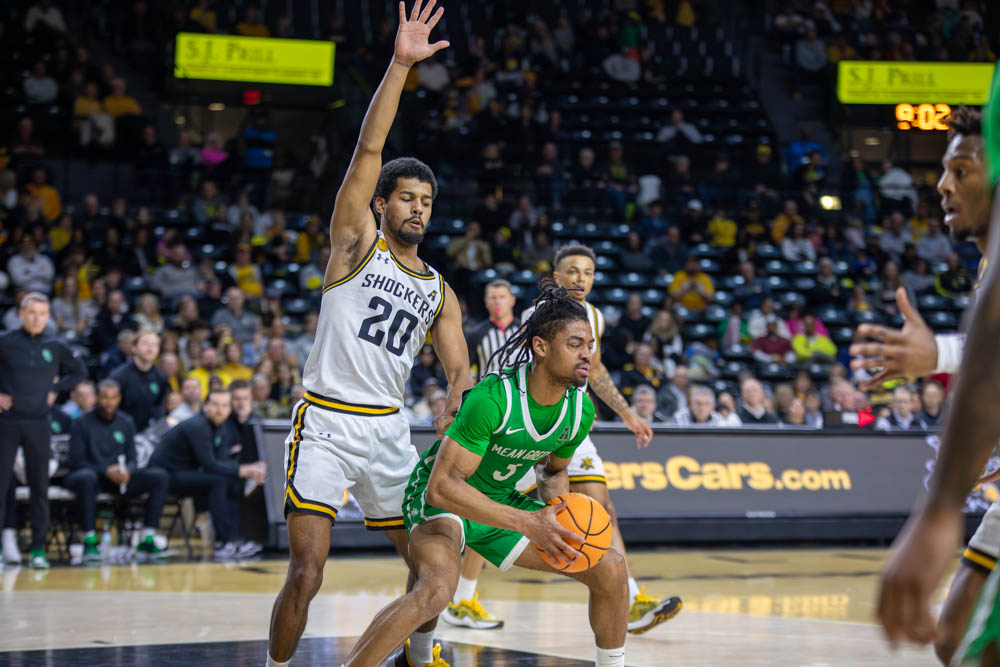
[37, 559]
[91, 550]
[148, 549]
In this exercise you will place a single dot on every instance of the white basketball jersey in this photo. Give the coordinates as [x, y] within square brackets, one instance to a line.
[371, 325]
[594, 316]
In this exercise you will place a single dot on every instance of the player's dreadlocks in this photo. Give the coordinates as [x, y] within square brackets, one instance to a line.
[965, 121]
[553, 308]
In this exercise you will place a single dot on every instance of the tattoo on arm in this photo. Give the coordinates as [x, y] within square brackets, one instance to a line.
[604, 387]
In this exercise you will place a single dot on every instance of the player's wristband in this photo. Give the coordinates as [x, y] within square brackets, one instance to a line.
[949, 347]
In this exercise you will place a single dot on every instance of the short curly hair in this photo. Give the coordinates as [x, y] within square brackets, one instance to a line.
[965, 121]
[404, 167]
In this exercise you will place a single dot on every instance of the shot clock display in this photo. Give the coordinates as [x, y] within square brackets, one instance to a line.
[927, 117]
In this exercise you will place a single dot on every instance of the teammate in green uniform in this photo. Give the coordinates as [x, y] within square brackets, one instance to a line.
[462, 492]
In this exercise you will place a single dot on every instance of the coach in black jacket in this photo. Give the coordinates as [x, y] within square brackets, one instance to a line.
[189, 453]
[29, 365]
[97, 439]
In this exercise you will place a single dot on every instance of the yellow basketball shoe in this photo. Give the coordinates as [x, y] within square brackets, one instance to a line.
[403, 658]
[646, 612]
[470, 614]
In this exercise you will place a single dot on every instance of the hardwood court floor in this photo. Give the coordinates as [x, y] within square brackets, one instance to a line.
[780, 607]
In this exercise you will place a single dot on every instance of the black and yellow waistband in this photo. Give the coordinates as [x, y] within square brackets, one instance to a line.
[391, 523]
[348, 408]
[979, 560]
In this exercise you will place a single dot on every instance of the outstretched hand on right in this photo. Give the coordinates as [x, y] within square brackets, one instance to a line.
[907, 352]
[413, 36]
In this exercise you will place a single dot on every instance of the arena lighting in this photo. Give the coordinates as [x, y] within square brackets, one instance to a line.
[830, 202]
[216, 106]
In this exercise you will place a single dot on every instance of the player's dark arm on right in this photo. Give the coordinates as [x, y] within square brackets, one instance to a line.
[973, 424]
[448, 489]
[553, 477]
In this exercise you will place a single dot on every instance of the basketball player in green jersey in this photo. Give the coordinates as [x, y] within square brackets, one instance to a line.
[914, 351]
[574, 270]
[462, 492]
[925, 546]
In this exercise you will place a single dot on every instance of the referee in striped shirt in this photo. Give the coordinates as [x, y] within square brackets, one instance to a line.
[487, 336]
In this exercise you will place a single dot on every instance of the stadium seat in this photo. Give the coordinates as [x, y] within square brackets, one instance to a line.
[941, 320]
[767, 252]
[724, 299]
[732, 370]
[841, 335]
[869, 317]
[698, 331]
[616, 296]
[715, 313]
[928, 302]
[833, 316]
[737, 353]
[773, 372]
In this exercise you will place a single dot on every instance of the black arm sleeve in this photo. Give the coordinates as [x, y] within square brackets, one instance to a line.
[71, 370]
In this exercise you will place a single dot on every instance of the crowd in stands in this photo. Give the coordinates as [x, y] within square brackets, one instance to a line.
[813, 37]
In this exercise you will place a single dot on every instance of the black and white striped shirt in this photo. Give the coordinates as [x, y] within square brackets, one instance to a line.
[483, 340]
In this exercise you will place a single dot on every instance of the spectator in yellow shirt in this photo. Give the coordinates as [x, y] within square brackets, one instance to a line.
[309, 241]
[204, 16]
[788, 216]
[723, 230]
[234, 368]
[251, 25]
[118, 103]
[812, 346]
[46, 196]
[691, 287]
[245, 274]
[920, 223]
[206, 369]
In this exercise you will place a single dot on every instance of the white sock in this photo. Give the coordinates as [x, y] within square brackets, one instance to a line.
[466, 589]
[610, 657]
[9, 533]
[422, 647]
[633, 589]
[271, 662]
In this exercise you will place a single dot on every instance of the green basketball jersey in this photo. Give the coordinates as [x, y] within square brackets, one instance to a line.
[500, 421]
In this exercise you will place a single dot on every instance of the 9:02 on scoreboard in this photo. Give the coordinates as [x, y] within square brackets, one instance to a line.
[922, 117]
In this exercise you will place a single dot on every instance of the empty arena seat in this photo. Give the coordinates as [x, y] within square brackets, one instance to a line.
[818, 372]
[616, 295]
[803, 284]
[841, 335]
[715, 313]
[927, 302]
[791, 298]
[606, 263]
[737, 353]
[698, 331]
[297, 307]
[777, 267]
[805, 268]
[941, 320]
[732, 370]
[651, 295]
[833, 316]
[773, 372]
[524, 277]
[136, 284]
[777, 283]
[766, 252]
[731, 282]
[869, 317]
[723, 298]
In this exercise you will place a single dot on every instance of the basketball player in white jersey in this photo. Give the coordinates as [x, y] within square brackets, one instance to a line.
[379, 303]
[574, 270]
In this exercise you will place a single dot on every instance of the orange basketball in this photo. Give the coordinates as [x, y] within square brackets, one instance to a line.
[588, 519]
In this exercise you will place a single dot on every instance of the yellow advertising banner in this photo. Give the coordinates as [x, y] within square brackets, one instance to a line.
[297, 62]
[890, 82]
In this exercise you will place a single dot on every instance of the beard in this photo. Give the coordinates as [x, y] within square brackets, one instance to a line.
[406, 236]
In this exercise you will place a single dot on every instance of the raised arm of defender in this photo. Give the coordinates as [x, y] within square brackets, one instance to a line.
[351, 228]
